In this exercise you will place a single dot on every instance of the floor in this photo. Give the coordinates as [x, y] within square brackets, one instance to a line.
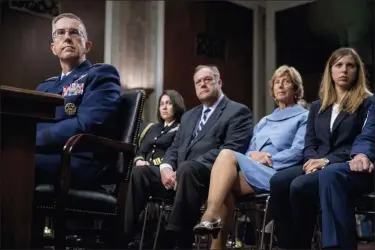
[370, 246]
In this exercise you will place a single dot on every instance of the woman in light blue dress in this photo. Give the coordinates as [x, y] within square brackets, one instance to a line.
[277, 143]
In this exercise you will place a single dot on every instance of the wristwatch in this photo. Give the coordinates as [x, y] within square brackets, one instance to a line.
[326, 161]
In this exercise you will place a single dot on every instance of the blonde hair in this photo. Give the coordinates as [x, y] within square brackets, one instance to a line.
[294, 76]
[358, 90]
[213, 68]
[70, 16]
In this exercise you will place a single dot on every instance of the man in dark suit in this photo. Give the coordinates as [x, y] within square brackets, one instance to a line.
[218, 123]
[90, 97]
[342, 183]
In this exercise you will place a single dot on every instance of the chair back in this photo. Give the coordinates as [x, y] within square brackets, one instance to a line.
[130, 111]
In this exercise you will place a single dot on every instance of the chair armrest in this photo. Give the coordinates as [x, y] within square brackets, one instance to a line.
[87, 143]
[83, 143]
[93, 143]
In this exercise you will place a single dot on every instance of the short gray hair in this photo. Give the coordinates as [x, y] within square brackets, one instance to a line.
[70, 16]
[213, 68]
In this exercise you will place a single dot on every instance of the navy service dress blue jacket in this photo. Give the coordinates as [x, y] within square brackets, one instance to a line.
[91, 93]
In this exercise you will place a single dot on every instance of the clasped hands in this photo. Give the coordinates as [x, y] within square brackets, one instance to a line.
[263, 158]
[168, 178]
[360, 163]
[313, 165]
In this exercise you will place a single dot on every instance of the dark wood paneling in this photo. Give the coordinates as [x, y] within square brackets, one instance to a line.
[26, 58]
[307, 45]
[183, 21]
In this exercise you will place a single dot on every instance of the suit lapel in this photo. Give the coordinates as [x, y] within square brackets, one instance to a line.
[192, 122]
[211, 121]
[190, 126]
[324, 121]
[341, 116]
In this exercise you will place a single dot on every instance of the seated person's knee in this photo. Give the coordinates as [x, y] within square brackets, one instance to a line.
[184, 169]
[333, 171]
[139, 171]
[297, 186]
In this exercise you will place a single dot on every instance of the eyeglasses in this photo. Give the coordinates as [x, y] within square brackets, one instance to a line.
[73, 33]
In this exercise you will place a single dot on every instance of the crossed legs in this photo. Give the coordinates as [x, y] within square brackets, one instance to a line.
[226, 182]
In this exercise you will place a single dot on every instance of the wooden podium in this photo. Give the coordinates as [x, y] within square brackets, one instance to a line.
[21, 110]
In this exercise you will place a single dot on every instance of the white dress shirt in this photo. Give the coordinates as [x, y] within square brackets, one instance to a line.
[166, 124]
[63, 75]
[335, 113]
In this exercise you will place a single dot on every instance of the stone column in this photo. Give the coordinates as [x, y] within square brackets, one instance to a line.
[259, 81]
[270, 56]
[134, 44]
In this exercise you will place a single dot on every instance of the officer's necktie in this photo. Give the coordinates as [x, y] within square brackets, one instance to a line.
[202, 122]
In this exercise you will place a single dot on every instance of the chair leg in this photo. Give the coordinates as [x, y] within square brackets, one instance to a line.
[264, 224]
[38, 226]
[316, 240]
[235, 229]
[245, 212]
[197, 242]
[60, 231]
[144, 227]
[162, 207]
[272, 231]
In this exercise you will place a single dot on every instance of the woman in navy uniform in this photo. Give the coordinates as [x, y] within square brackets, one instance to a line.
[157, 140]
[160, 135]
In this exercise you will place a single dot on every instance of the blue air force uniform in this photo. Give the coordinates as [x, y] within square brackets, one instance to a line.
[339, 187]
[91, 93]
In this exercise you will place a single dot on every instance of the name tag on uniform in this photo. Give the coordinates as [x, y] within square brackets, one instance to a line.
[74, 88]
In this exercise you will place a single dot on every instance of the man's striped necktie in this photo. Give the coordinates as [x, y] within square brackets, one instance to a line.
[202, 122]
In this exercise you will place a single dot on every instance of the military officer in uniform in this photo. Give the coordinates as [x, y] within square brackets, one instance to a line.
[155, 143]
[90, 94]
[160, 135]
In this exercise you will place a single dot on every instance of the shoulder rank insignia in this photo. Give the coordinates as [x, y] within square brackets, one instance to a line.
[80, 77]
[98, 64]
[53, 78]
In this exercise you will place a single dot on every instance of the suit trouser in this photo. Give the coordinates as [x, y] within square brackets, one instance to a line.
[293, 205]
[192, 187]
[339, 187]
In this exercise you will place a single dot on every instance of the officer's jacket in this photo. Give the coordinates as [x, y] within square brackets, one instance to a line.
[91, 93]
[156, 142]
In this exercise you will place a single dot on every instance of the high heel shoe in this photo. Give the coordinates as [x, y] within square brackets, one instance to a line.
[208, 227]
